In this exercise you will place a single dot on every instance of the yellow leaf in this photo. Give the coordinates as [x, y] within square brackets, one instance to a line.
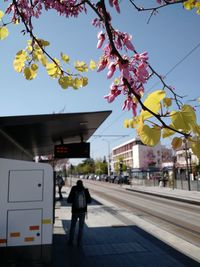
[197, 5]
[150, 136]
[167, 132]
[126, 123]
[77, 83]
[167, 102]
[183, 120]
[19, 61]
[196, 147]
[81, 66]
[129, 123]
[196, 129]
[152, 102]
[92, 65]
[29, 74]
[189, 4]
[64, 82]
[140, 124]
[42, 59]
[1, 14]
[18, 65]
[21, 55]
[84, 81]
[65, 58]
[34, 67]
[176, 143]
[3, 32]
[53, 70]
[43, 42]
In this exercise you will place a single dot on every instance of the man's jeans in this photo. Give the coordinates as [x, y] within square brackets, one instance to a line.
[75, 217]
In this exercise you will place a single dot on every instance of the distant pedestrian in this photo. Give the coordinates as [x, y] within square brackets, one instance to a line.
[60, 183]
[79, 197]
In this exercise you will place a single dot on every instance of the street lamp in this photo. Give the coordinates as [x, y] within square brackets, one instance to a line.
[108, 142]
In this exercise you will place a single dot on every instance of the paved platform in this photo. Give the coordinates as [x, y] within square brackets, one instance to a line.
[113, 238]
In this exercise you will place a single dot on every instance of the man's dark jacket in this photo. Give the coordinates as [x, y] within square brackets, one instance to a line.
[72, 195]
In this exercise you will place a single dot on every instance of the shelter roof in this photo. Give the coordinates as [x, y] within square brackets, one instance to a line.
[24, 137]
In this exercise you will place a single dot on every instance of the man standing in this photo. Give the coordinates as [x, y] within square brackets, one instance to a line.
[79, 196]
[60, 183]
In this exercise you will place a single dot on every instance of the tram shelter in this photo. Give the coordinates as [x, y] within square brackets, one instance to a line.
[27, 188]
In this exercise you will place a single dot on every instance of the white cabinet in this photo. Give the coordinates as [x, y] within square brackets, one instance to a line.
[25, 185]
[24, 227]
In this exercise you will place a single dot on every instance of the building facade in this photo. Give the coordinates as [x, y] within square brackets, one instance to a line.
[136, 155]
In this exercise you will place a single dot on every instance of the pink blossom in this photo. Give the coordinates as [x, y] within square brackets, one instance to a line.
[143, 56]
[142, 73]
[134, 109]
[115, 3]
[124, 68]
[127, 42]
[129, 104]
[114, 92]
[112, 68]
[102, 64]
[110, 98]
[101, 38]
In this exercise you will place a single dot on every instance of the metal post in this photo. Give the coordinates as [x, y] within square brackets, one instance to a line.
[174, 171]
[187, 165]
[108, 158]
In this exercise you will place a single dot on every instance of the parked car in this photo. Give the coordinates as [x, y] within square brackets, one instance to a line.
[112, 178]
[122, 179]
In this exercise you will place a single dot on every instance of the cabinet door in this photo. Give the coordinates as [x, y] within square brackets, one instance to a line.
[24, 227]
[25, 185]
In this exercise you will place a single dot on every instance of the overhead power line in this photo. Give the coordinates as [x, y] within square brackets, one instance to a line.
[171, 70]
[177, 64]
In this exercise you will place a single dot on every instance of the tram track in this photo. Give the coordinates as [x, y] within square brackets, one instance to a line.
[177, 226]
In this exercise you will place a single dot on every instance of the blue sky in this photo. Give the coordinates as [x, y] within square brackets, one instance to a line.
[168, 38]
